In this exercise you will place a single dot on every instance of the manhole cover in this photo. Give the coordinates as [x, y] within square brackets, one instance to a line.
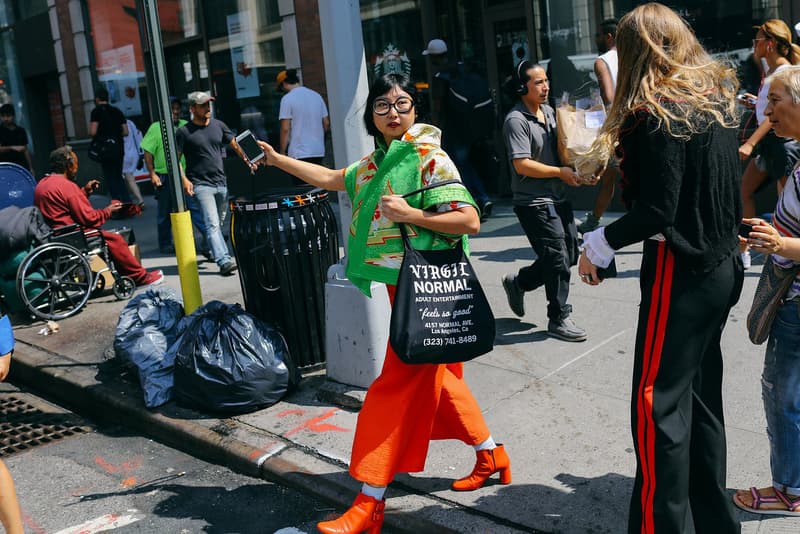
[23, 426]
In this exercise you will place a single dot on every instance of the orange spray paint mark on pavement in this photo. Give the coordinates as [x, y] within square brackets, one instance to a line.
[129, 482]
[123, 468]
[314, 424]
[31, 525]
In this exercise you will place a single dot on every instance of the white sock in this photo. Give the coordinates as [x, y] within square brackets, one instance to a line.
[376, 492]
[489, 444]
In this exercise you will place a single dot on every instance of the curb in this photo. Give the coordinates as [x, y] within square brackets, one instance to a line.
[282, 462]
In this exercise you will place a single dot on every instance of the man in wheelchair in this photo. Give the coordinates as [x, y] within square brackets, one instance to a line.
[62, 202]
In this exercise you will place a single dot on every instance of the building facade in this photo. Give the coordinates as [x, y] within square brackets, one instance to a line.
[54, 53]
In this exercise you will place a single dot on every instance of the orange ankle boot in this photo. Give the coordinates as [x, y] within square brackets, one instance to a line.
[366, 514]
[489, 461]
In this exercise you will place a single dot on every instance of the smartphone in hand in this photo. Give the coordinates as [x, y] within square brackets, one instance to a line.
[745, 229]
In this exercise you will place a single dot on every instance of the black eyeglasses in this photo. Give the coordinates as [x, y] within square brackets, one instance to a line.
[402, 105]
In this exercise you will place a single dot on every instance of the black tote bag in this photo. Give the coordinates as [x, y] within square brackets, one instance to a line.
[440, 312]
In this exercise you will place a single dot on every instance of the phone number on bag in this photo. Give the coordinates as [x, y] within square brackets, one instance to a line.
[445, 341]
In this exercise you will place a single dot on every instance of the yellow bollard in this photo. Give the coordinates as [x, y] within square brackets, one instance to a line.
[183, 236]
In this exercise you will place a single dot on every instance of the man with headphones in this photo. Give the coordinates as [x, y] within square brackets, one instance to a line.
[539, 184]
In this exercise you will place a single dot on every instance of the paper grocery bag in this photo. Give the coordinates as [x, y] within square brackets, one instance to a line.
[577, 129]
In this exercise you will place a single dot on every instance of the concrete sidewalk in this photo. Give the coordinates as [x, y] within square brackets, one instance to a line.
[562, 409]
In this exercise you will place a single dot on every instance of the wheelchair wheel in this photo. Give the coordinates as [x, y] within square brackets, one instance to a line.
[123, 287]
[54, 281]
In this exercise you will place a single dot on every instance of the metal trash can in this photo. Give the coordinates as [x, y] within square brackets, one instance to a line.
[284, 243]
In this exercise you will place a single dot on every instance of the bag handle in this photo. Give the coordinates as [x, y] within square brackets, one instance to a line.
[432, 186]
[403, 232]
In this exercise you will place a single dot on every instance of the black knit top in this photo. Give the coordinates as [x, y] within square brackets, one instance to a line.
[687, 189]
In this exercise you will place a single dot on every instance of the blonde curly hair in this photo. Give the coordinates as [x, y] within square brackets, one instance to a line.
[660, 61]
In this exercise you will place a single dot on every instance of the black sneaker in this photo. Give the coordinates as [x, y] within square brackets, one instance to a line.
[228, 268]
[515, 295]
[566, 329]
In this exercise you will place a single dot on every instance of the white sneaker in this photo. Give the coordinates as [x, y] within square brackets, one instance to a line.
[746, 262]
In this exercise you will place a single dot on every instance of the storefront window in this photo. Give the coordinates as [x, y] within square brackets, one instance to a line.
[118, 54]
[246, 53]
[178, 20]
[11, 88]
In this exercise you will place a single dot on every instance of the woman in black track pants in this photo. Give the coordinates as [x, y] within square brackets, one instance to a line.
[673, 124]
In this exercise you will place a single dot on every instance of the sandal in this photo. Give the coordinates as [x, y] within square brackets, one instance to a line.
[790, 505]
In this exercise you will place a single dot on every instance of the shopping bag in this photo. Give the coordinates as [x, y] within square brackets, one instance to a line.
[773, 284]
[440, 312]
[578, 125]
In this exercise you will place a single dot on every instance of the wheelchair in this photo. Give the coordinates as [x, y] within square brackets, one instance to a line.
[55, 280]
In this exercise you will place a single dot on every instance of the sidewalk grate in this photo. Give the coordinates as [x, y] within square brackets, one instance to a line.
[23, 426]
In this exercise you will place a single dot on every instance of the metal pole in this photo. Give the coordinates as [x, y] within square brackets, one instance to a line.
[182, 233]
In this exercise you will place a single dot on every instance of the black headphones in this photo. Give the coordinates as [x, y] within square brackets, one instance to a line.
[522, 85]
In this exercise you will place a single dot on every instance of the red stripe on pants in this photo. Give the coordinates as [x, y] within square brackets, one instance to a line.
[654, 344]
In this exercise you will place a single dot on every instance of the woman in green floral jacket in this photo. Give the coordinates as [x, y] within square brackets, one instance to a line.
[407, 405]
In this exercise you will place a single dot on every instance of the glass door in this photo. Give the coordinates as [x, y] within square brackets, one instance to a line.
[187, 69]
[506, 43]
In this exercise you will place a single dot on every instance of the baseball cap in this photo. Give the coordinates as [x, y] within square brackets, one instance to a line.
[280, 78]
[435, 46]
[199, 97]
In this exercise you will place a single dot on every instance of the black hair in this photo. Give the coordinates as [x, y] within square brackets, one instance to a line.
[7, 109]
[291, 76]
[521, 72]
[61, 159]
[101, 94]
[380, 87]
[608, 26]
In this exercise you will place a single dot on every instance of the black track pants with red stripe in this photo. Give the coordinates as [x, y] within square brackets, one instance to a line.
[676, 404]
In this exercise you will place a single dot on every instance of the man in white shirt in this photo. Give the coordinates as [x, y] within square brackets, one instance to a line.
[304, 119]
[605, 68]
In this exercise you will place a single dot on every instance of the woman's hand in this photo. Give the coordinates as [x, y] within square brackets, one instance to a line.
[746, 150]
[270, 153]
[764, 238]
[587, 270]
[396, 209]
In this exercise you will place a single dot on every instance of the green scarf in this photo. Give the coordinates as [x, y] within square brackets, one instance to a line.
[375, 247]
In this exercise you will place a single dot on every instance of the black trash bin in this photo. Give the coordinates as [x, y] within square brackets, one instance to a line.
[284, 243]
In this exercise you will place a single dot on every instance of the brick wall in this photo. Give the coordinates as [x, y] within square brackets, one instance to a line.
[310, 43]
[71, 66]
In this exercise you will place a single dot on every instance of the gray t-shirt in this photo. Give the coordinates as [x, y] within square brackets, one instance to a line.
[526, 137]
[203, 147]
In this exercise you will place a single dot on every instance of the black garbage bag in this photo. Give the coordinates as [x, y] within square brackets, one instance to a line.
[227, 360]
[147, 328]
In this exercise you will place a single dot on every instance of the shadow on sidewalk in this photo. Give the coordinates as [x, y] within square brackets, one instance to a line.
[581, 505]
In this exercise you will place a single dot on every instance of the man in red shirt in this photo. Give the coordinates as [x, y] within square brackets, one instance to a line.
[63, 202]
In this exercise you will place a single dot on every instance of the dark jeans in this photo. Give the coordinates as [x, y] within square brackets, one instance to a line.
[473, 183]
[112, 174]
[551, 232]
[167, 206]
